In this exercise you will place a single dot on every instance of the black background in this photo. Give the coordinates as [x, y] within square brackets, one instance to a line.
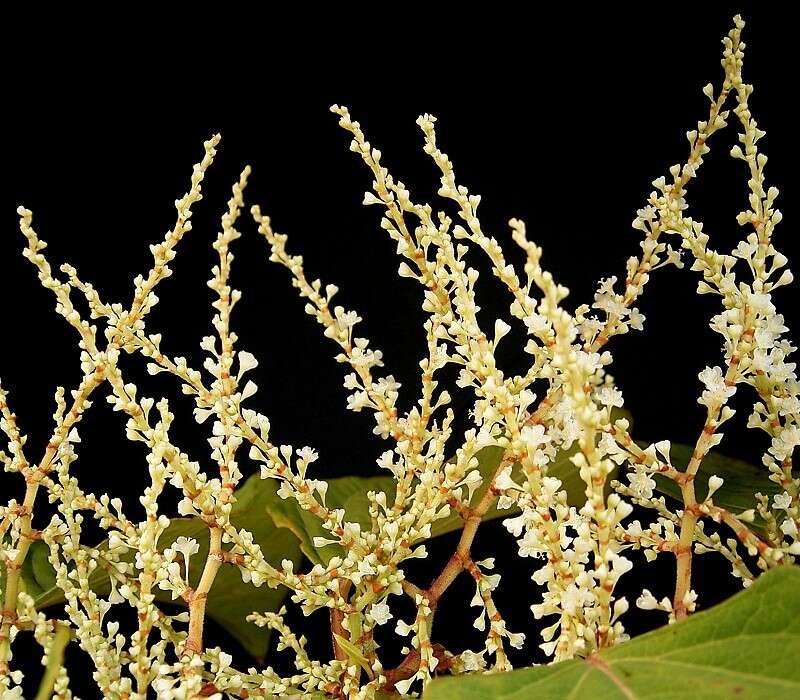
[561, 119]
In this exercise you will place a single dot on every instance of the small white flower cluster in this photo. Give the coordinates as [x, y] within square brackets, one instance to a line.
[561, 405]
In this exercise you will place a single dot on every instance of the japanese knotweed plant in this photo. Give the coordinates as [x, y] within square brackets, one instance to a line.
[546, 461]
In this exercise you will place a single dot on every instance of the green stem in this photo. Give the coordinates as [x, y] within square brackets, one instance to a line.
[55, 660]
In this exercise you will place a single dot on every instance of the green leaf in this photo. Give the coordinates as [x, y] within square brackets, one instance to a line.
[747, 647]
[354, 655]
[348, 492]
[561, 468]
[230, 599]
[488, 461]
[36, 576]
[742, 481]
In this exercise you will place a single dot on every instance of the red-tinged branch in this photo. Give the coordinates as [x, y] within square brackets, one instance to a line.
[198, 598]
[33, 480]
[743, 533]
[691, 511]
[461, 556]
[409, 665]
[458, 562]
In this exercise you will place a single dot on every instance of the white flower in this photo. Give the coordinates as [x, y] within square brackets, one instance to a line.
[480, 621]
[403, 628]
[534, 436]
[249, 389]
[472, 481]
[717, 391]
[186, 546]
[504, 502]
[501, 329]
[403, 686]
[247, 361]
[571, 599]
[610, 396]
[380, 613]
[784, 443]
[641, 484]
[714, 484]
[663, 447]
[674, 257]
[503, 480]
[515, 525]
[789, 528]
[186, 507]
[516, 639]
[636, 319]
[781, 501]
[646, 601]
[531, 545]
[473, 661]
[549, 647]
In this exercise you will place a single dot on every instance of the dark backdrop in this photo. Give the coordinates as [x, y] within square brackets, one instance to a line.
[560, 119]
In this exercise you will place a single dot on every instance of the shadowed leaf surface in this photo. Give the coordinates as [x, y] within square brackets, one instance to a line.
[350, 493]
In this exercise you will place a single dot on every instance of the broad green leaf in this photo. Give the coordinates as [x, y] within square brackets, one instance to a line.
[561, 468]
[747, 647]
[742, 481]
[348, 492]
[230, 599]
[37, 577]
[489, 459]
